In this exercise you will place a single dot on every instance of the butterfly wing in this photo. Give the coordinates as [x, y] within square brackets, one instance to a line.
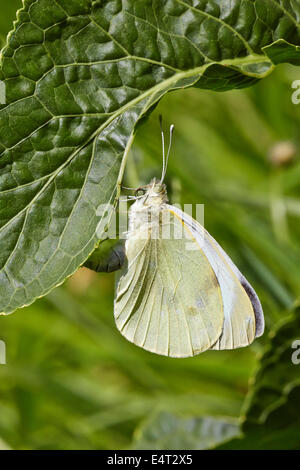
[243, 315]
[168, 299]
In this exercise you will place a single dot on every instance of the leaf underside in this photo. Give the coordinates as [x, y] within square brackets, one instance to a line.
[79, 75]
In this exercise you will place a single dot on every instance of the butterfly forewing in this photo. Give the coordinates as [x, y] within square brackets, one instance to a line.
[243, 316]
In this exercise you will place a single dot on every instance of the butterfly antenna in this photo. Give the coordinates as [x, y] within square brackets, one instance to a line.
[163, 147]
[168, 153]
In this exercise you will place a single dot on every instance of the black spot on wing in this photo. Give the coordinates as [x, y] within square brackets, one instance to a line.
[257, 308]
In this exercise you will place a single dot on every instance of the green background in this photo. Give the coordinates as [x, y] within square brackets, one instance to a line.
[71, 380]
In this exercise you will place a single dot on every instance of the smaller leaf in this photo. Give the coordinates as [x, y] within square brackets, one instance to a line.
[4, 445]
[168, 431]
[281, 51]
[107, 257]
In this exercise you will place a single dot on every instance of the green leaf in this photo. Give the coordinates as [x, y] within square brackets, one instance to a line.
[107, 257]
[79, 76]
[281, 51]
[272, 417]
[167, 431]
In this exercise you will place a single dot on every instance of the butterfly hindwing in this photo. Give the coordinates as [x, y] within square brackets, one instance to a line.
[168, 299]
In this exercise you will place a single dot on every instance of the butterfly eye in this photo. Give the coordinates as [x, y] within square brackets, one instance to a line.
[140, 192]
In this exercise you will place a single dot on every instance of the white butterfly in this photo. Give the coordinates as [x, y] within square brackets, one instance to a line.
[175, 301]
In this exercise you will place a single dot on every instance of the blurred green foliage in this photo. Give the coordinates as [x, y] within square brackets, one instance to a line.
[272, 414]
[71, 380]
[7, 16]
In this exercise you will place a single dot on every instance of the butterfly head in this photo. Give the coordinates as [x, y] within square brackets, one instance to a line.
[153, 194]
[149, 201]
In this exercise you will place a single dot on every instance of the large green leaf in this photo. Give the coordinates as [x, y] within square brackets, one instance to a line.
[79, 75]
[272, 417]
